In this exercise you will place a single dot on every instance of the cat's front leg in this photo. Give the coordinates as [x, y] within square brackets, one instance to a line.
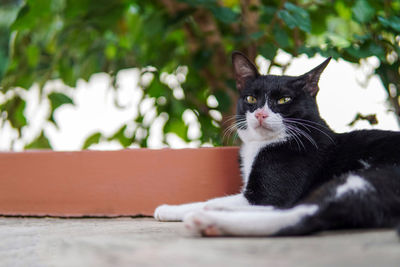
[178, 212]
[249, 207]
[227, 203]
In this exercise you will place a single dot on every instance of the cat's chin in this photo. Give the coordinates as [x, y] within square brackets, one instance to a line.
[263, 128]
[262, 134]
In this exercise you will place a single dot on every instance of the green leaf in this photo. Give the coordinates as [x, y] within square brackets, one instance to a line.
[367, 50]
[41, 142]
[25, 80]
[15, 108]
[156, 88]
[256, 35]
[120, 136]
[362, 11]
[199, 2]
[281, 37]
[267, 13]
[111, 51]
[22, 21]
[33, 55]
[268, 50]
[210, 132]
[177, 107]
[176, 126]
[32, 14]
[224, 101]
[224, 14]
[287, 18]
[391, 22]
[66, 72]
[310, 52]
[295, 16]
[91, 140]
[3, 63]
[59, 99]
[343, 10]
[19, 114]
[377, 51]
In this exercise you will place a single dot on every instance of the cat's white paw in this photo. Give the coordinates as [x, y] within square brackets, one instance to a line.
[167, 213]
[202, 223]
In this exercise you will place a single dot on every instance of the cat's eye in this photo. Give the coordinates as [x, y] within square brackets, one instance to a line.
[284, 100]
[251, 99]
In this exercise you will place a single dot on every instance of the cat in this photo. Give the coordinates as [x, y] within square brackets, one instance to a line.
[299, 177]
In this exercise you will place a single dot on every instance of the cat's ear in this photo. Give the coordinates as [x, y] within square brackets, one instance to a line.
[243, 68]
[311, 78]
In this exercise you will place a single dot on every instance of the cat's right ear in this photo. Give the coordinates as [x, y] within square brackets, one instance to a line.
[244, 69]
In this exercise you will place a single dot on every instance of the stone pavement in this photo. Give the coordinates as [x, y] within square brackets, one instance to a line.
[33, 242]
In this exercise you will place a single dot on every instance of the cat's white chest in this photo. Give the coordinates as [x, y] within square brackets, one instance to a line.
[248, 153]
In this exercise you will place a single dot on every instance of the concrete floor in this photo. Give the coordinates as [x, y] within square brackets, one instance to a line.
[145, 242]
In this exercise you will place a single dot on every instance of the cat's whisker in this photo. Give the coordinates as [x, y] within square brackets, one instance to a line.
[292, 134]
[303, 133]
[232, 128]
[235, 137]
[306, 125]
[309, 121]
[306, 122]
[235, 117]
[298, 134]
[238, 122]
[227, 133]
[309, 138]
[236, 126]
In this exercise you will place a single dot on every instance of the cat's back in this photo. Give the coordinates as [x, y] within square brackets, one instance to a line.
[367, 136]
[369, 146]
[369, 139]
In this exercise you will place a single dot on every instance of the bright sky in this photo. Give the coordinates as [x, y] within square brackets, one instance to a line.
[341, 96]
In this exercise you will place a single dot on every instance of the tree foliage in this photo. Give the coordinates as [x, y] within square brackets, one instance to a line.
[192, 39]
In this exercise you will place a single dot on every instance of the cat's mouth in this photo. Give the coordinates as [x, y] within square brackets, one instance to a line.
[263, 126]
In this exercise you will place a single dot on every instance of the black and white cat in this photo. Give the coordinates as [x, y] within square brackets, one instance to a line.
[299, 176]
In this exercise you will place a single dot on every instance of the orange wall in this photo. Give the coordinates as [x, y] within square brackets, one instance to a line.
[113, 183]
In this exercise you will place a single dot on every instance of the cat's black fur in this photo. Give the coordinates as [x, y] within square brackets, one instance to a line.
[286, 174]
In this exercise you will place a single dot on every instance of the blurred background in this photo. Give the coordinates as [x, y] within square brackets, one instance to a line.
[78, 74]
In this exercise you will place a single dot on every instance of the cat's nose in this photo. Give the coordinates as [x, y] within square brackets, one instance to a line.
[261, 115]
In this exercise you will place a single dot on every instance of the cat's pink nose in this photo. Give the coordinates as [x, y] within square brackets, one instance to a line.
[261, 115]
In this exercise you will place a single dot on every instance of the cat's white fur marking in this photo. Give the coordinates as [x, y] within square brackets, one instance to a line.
[246, 223]
[255, 137]
[248, 153]
[354, 183]
[177, 212]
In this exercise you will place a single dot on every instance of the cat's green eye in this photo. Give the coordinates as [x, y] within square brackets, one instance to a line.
[251, 99]
[284, 100]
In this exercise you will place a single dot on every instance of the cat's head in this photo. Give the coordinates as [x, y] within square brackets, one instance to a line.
[270, 107]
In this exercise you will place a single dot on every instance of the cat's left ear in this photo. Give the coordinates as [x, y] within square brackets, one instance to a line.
[311, 78]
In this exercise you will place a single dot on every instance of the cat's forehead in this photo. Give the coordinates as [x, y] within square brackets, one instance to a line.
[267, 84]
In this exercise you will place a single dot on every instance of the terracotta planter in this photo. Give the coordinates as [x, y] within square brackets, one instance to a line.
[113, 183]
